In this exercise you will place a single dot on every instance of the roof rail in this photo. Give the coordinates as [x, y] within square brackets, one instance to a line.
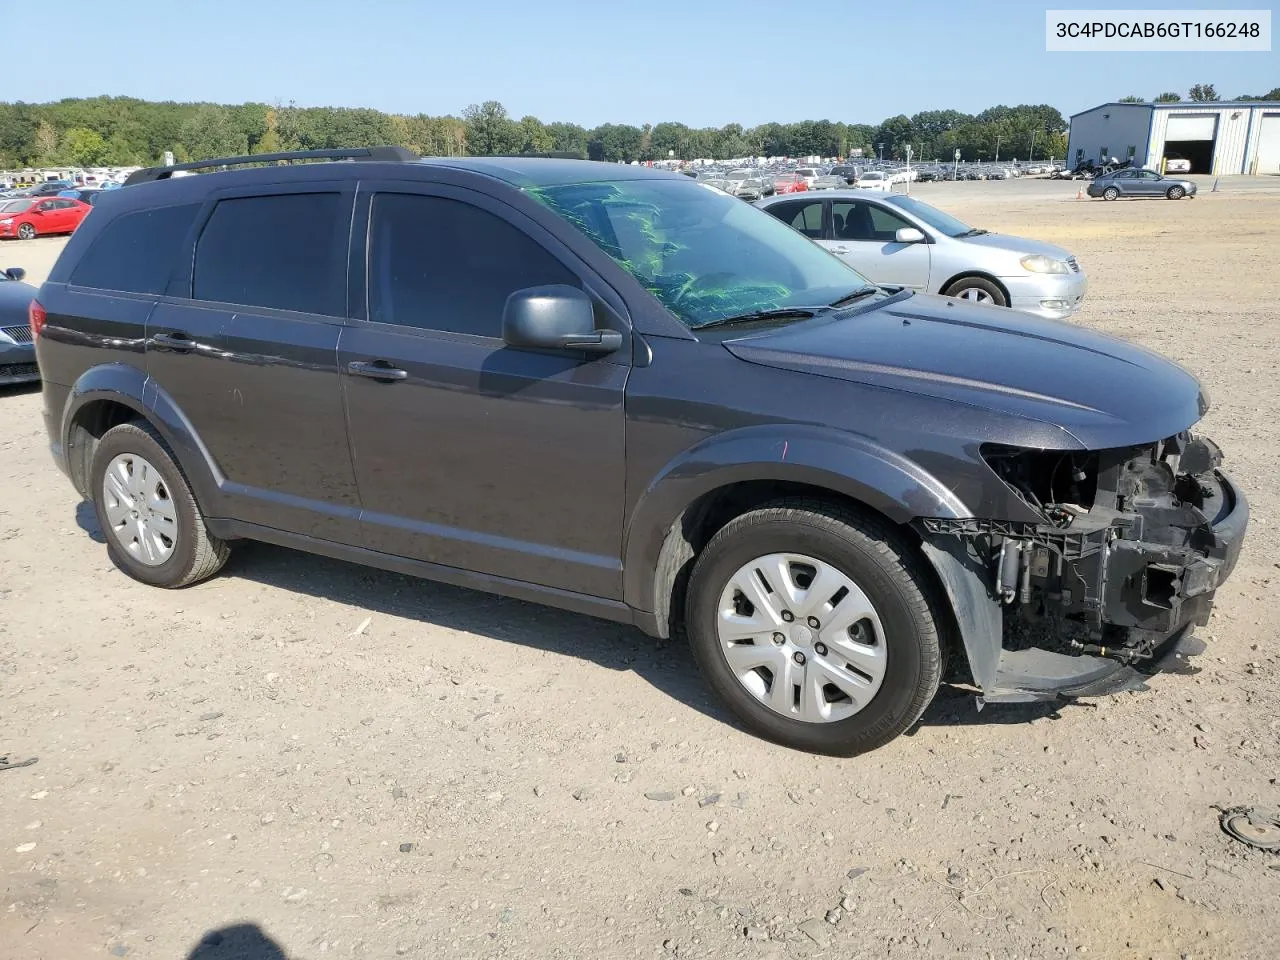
[392, 154]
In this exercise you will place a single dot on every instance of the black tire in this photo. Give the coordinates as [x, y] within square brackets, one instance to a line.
[26, 231]
[197, 554]
[1175, 193]
[978, 283]
[888, 568]
[1111, 193]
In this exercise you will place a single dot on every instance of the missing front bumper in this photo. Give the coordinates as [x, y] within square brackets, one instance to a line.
[1118, 592]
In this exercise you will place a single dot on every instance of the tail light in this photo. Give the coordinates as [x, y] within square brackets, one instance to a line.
[36, 317]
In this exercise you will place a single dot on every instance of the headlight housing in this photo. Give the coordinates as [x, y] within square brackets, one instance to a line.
[6, 221]
[1039, 263]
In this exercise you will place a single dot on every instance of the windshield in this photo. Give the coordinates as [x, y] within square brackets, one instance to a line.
[873, 175]
[738, 175]
[704, 254]
[942, 222]
[15, 206]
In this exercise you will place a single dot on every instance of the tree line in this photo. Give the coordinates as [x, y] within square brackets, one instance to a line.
[124, 131]
[1202, 93]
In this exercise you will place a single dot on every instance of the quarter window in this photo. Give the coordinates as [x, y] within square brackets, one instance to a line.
[284, 252]
[136, 252]
[441, 264]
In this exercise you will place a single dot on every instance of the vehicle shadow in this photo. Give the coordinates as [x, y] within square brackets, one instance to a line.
[242, 941]
[668, 666]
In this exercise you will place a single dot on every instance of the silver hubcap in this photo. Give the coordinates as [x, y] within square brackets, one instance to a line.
[26, 231]
[976, 294]
[140, 513]
[801, 637]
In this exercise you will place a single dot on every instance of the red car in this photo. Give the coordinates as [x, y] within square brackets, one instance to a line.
[789, 183]
[30, 218]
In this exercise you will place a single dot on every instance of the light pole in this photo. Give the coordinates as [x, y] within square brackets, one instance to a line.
[880, 147]
[997, 149]
[1032, 155]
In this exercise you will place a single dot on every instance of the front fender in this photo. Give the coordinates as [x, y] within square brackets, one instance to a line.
[128, 386]
[833, 460]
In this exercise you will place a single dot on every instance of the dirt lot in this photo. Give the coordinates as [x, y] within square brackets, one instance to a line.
[364, 765]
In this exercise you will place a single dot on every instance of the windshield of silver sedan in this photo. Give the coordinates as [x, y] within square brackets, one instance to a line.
[705, 255]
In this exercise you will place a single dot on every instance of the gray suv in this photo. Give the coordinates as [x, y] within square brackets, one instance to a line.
[617, 391]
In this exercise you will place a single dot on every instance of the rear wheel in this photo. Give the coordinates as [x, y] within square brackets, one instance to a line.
[26, 231]
[977, 290]
[815, 625]
[1111, 193]
[153, 526]
[1176, 193]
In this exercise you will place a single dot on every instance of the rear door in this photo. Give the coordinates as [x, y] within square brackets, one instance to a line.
[866, 240]
[245, 345]
[470, 453]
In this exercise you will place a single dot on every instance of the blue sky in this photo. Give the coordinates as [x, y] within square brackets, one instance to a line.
[703, 62]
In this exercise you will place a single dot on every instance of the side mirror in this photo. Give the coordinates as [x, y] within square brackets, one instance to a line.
[15, 273]
[555, 317]
[908, 235]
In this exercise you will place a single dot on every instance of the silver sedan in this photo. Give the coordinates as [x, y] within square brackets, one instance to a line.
[1132, 182]
[896, 240]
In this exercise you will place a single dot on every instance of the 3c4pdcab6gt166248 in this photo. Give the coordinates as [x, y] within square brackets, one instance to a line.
[626, 394]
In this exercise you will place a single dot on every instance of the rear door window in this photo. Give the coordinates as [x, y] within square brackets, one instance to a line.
[136, 252]
[284, 252]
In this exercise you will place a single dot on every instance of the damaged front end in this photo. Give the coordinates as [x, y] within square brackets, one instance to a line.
[1127, 552]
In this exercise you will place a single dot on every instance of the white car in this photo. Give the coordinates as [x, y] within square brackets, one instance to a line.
[873, 180]
[1176, 164]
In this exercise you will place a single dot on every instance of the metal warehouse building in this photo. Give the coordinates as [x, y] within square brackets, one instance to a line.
[1218, 138]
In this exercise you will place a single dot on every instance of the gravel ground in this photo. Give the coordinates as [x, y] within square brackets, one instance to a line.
[343, 762]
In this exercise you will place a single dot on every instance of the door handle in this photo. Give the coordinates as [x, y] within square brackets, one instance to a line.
[839, 249]
[376, 370]
[178, 342]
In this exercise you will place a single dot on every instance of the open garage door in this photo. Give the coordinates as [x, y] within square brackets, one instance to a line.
[1191, 138]
[1268, 155]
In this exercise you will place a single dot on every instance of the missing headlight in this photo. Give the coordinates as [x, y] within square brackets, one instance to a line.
[1059, 484]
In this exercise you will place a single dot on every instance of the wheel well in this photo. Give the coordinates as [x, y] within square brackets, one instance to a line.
[91, 422]
[702, 519]
[978, 275]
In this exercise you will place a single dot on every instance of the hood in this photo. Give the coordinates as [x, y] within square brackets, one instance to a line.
[15, 296]
[1103, 391]
[1018, 245]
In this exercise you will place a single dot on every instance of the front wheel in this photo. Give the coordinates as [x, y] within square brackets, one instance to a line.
[26, 231]
[816, 625]
[1111, 193]
[977, 290]
[1176, 193]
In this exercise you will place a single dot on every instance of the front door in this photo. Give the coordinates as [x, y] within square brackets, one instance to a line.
[246, 345]
[470, 453]
[863, 234]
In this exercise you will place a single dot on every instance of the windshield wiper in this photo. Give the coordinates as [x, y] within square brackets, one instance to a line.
[781, 313]
[856, 295]
[974, 232]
